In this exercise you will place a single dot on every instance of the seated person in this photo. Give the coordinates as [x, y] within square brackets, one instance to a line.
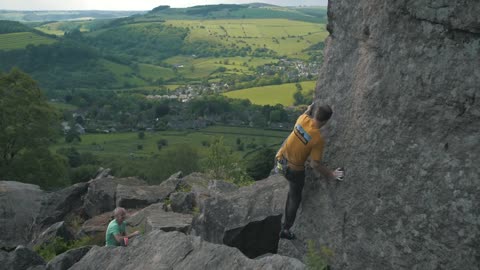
[116, 231]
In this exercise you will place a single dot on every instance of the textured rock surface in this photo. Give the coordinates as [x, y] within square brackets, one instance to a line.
[173, 250]
[19, 208]
[182, 202]
[65, 260]
[96, 225]
[218, 186]
[56, 230]
[141, 196]
[154, 217]
[100, 196]
[139, 218]
[20, 259]
[168, 221]
[58, 204]
[248, 219]
[403, 78]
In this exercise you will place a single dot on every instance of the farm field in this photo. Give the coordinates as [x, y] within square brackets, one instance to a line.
[59, 28]
[286, 37]
[63, 106]
[125, 145]
[20, 40]
[271, 94]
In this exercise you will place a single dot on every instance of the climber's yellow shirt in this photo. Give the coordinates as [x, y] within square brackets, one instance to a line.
[304, 141]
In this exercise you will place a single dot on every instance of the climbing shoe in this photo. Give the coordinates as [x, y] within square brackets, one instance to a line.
[287, 234]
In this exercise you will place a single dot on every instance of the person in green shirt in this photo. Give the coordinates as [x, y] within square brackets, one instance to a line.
[116, 230]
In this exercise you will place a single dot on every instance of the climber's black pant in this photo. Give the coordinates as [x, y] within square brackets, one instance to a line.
[296, 180]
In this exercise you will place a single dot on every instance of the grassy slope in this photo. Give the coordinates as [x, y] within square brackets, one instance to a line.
[272, 94]
[21, 40]
[292, 36]
[248, 11]
[155, 72]
[55, 28]
[123, 74]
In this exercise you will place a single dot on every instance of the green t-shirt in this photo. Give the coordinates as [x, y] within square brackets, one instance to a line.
[114, 229]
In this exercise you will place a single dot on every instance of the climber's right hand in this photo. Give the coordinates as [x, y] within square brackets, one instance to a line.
[339, 174]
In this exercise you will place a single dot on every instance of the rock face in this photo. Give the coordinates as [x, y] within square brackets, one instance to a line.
[19, 208]
[56, 230]
[249, 218]
[174, 250]
[182, 202]
[58, 204]
[154, 217]
[141, 196]
[65, 260]
[403, 78]
[101, 193]
[20, 259]
[168, 221]
[96, 225]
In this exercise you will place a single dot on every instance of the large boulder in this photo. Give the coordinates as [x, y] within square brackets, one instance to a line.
[403, 79]
[192, 190]
[21, 258]
[19, 208]
[182, 202]
[218, 186]
[154, 217]
[95, 226]
[141, 196]
[249, 219]
[65, 260]
[57, 205]
[174, 250]
[203, 187]
[56, 230]
[100, 196]
[168, 221]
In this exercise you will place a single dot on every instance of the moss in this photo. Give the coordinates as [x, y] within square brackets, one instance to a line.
[318, 259]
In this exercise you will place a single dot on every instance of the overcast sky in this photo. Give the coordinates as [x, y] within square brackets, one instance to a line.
[135, 4]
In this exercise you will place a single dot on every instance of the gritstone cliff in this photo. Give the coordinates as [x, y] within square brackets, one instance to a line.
[403, 78]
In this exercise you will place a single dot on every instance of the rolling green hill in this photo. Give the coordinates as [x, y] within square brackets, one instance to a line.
[14, 35]
[22, 40]
[142, 42]
[59, 28]
[283, 37]
[13, 27]
[167, 46]
[246, 11]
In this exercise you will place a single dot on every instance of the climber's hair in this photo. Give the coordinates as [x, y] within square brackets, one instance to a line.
[321, 113]
[118, 211]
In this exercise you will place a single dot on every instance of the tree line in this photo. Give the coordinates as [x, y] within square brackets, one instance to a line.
[30, 126]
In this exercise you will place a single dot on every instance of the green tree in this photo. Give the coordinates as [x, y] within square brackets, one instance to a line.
[179, 158]
[72, 135]
[221, 163]
[26, 118]
[260, 163]
[40, 167]
[27, 123]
